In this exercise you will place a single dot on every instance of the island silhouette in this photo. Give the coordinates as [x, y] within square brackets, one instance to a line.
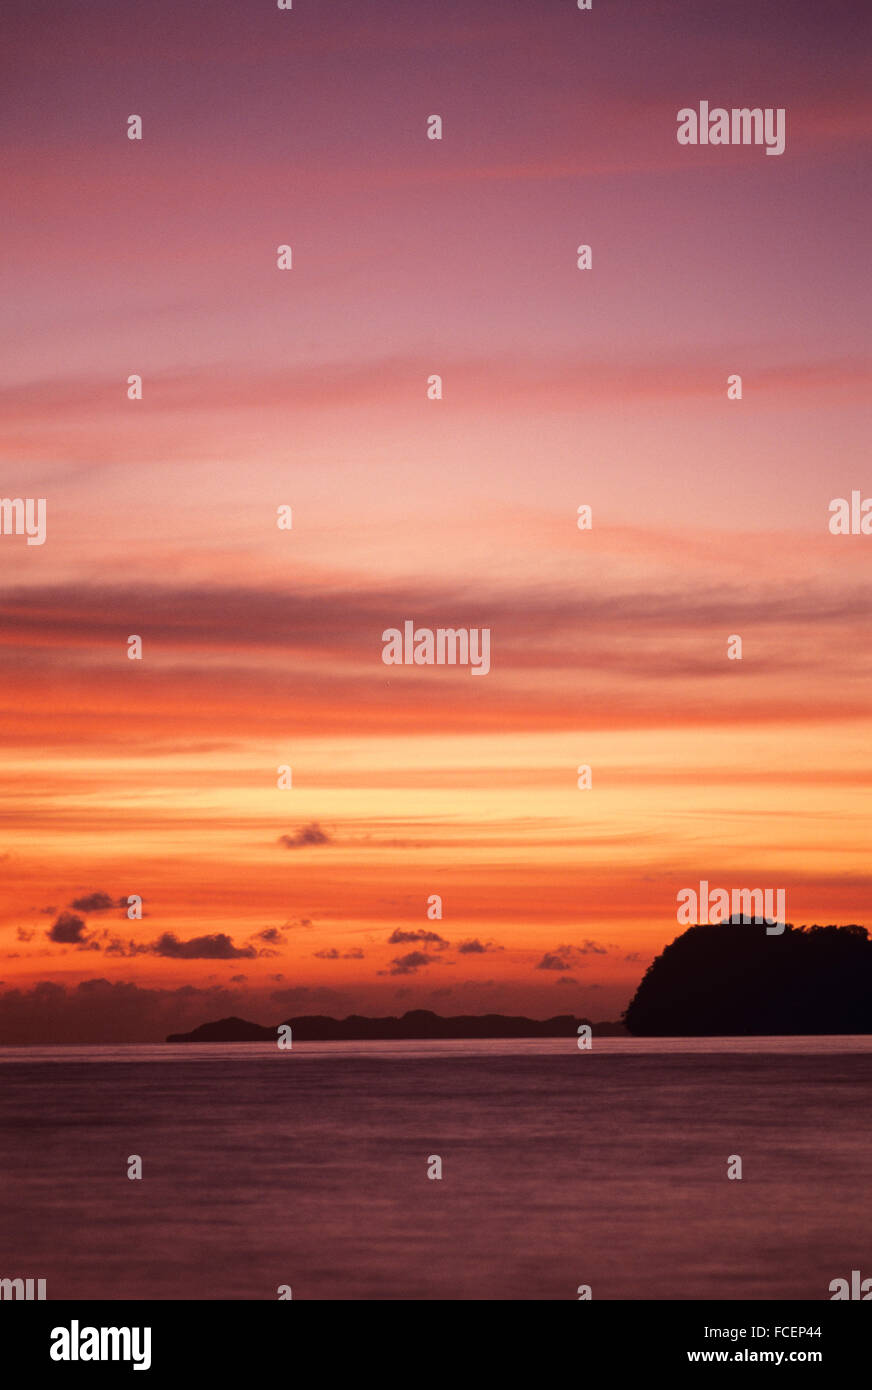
[730, 979]
[734, 979]
[417, 1024]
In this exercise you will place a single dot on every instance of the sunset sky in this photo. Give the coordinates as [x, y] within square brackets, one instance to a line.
[308, 387]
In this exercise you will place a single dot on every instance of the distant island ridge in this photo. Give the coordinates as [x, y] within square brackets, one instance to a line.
[417, 1024]
[729, 979]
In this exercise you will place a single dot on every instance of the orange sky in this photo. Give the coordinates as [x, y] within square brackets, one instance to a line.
[263, 647]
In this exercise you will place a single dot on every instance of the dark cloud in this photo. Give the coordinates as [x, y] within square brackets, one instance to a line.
[552, 962]
[478, 948]
[271, 935]
[401, 938]
[96, 902]
[118, 946]
[410, 964]
[216, 947]
[68, 929]
[561, 957]
[331, 953]
[238, 979]
[310, 834]
[566, 980]
[26, 933]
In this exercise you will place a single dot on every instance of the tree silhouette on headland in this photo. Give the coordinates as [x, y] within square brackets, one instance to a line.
[734, 979]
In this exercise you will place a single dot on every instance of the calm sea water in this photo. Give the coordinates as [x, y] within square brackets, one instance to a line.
[560, 1168]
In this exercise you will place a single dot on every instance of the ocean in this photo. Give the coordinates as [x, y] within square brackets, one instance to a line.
[560, 1168]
